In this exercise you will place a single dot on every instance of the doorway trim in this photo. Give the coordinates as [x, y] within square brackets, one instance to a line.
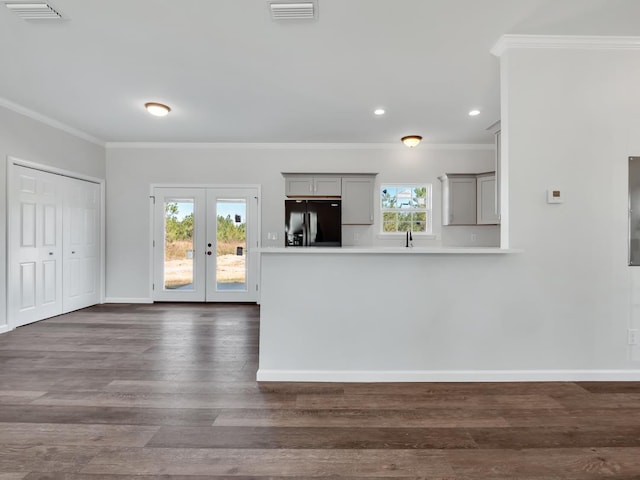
[152, 188]
[13, 162]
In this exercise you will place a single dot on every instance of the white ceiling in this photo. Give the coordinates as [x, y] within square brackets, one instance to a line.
[231, 74]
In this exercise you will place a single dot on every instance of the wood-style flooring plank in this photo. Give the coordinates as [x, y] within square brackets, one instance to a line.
[389, 401]
[298, 463]
[410, 418]
[62, 434]
[13, 475]
[569, 417]
[545, 463]
[467, 388]
[164, 400]
[47, 458]
[369, 438]
[556, 437]
[75, 415]
[19, 396]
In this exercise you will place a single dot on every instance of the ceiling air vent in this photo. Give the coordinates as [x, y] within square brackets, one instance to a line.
[293, 11]
[33, 11]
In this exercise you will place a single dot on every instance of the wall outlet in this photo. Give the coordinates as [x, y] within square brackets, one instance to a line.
[474, 237]
[272, 236]
[632, 336]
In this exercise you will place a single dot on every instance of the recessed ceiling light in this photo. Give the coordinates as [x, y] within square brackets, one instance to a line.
[474, 113]
[379, 111]
[157, 109]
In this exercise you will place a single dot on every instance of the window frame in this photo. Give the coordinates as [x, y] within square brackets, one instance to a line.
[428, 209]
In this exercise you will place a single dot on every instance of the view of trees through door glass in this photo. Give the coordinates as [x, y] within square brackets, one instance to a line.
[178, 246]
[231, 244]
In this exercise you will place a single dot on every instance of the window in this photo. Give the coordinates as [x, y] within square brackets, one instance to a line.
[406, 207]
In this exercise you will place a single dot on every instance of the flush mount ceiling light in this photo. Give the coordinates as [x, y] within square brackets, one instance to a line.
[474, 113]
[379, 111]
[157, 109]
[33, 11]
[411, 141]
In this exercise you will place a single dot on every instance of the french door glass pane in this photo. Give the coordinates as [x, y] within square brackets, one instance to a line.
[178, 244]
[231, 244]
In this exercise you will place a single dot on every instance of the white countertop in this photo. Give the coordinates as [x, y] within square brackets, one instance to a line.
[391, 250]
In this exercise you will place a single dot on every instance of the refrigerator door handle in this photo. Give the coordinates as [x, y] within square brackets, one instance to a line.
[305, 229]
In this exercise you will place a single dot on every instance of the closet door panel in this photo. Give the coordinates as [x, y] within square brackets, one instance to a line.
[35, 237]
[81, 226]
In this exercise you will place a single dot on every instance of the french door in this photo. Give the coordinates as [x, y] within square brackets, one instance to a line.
[54, 244]
[205, 242]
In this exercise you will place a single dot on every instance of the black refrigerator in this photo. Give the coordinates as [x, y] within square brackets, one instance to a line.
[313, 223]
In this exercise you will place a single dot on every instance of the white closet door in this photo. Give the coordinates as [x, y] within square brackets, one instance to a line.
[81, 241]
[35, 272]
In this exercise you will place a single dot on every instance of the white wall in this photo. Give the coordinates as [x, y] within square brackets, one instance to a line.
[571, 123]
[131, 171]
[34, 141]
[559, 310]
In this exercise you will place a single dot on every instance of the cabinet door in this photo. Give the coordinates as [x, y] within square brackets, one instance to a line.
[298, 186]
[486, 200]
[462, 201]
[357, 201]
[327, 186]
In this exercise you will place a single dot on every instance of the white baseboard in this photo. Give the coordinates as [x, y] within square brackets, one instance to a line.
[5, 329]
[381, 376]
[127, 300]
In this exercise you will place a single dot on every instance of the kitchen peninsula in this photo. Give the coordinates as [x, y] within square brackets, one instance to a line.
[376, 314]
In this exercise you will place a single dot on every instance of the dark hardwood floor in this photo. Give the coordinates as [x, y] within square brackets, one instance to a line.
[119, 392]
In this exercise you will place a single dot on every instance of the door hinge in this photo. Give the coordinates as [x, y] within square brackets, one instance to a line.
[154, 244]
[256, 287]
[153, 198]
[153, 286]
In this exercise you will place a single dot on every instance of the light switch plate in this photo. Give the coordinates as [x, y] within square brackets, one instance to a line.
[554, 195]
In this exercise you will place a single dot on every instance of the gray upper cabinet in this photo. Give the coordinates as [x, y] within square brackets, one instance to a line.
[458, 199]
[469, 199]
[357, 200]
[312, 186]
[486, 199]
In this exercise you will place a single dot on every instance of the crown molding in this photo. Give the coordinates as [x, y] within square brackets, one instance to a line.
[9, 105]
[578, 42]
[293, 146]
